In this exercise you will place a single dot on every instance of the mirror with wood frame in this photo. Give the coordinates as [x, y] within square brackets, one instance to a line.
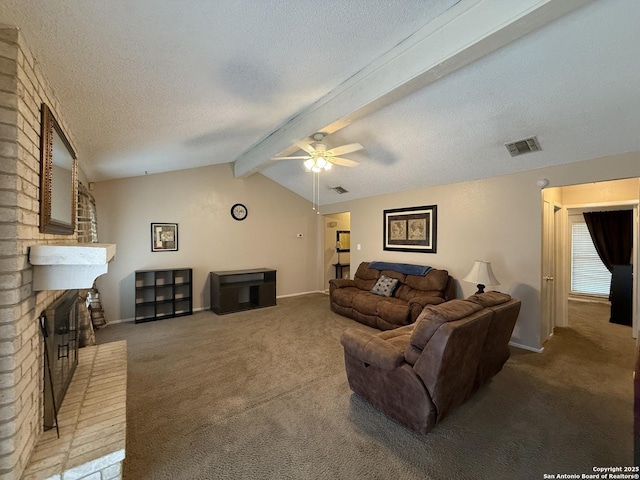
[58, 178]
[343, 240]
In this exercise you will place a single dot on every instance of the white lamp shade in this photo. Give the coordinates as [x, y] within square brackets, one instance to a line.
[317, 164]
[481, 274]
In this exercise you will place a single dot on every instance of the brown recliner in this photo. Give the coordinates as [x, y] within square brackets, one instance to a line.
[420, 373]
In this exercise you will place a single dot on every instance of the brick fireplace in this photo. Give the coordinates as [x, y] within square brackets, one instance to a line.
[92, 421]
[23, 88]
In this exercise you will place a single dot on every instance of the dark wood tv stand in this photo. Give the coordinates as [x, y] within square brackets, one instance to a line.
[237, 290]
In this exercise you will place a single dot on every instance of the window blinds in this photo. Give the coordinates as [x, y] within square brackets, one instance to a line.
[588, 273]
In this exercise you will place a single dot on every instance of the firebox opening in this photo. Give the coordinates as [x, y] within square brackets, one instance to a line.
[60, 332]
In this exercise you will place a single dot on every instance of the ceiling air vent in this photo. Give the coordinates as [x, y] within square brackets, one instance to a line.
[340, 190]
[523, 146]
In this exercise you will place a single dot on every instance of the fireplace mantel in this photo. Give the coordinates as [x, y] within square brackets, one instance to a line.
[65, 267]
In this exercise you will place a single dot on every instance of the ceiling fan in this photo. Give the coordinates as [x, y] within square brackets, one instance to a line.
[319, 158]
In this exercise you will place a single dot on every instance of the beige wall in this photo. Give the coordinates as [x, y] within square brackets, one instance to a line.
[600, 192]
[497, 219]
[23, 87]
[199, 201]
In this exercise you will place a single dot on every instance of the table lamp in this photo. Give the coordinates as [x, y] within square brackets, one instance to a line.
[482, 275]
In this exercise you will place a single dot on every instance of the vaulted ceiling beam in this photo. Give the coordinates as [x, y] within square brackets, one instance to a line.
[463, 34]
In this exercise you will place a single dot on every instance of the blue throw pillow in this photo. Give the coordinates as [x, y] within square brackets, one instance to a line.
[385, 286]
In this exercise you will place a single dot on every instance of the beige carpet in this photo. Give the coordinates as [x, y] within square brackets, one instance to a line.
[263, 395]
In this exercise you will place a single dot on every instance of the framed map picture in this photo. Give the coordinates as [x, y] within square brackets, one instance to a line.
[411, 229]
[164, 237]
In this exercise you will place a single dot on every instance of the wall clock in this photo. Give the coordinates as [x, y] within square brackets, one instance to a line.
[239, 211]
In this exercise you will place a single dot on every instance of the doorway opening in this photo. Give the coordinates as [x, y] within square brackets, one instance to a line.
[563, 209]
[337, 242]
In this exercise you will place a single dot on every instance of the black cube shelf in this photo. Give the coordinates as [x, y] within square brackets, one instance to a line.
[163, 293]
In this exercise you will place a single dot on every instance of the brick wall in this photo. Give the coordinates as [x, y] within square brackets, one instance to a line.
[87, 228]
[23, 89]
[87, 222]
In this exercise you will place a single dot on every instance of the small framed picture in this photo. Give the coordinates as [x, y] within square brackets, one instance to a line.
[410, 229]
[164, 237]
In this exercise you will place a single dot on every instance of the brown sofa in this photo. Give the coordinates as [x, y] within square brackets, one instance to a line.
[420, 373]
[353, 298]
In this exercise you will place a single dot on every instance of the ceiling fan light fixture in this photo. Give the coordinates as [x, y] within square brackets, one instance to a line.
[321, 162]
[320, 158]
[317, 164]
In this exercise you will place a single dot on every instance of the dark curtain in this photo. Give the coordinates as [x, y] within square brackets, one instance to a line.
[612, 235]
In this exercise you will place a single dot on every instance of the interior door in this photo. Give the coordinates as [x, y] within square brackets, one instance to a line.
[548, 270]
[636, 264]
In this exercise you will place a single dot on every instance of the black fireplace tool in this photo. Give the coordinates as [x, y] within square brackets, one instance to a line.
[45, 335]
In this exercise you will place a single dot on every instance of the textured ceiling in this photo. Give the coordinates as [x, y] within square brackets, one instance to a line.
[154, 86]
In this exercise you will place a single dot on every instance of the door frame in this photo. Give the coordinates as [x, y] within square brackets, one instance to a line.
[331, 222]
[564, 285]
[549, 269]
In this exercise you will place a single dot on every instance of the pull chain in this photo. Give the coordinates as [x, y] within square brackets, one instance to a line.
[315, 201]
[317, 193]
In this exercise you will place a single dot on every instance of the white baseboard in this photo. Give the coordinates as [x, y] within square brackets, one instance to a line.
[128, 320]
[300, 293]
[122, 320]
[526, 347]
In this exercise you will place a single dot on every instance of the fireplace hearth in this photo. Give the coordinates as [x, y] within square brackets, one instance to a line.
[59, 324]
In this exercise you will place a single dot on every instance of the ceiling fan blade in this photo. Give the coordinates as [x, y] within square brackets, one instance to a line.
[352, 147]
[305, 157]
[305, 147]
[345, 162]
